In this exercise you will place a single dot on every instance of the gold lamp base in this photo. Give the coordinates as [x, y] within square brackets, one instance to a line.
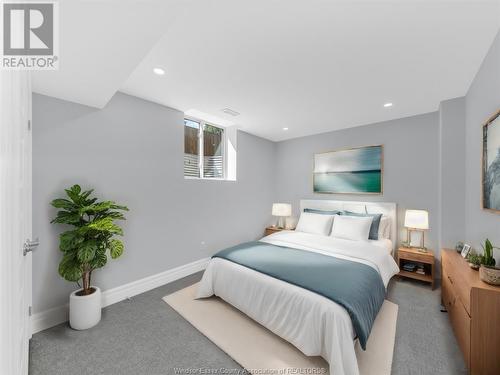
[281, 222]
[420, 248]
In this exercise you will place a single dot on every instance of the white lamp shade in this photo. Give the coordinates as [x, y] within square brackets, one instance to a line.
[417, 219]
[282, 209]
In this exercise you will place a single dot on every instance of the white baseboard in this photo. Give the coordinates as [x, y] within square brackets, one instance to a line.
[49, 318]
[57, 315]
[120, 293]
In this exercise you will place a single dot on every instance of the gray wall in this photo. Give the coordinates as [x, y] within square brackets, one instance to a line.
[452, 171]
[132, 152]
[482, 100]
[410, 165]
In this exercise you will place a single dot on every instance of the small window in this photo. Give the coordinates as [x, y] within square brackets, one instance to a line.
[191, 148]
[213, 151]
[204, 146]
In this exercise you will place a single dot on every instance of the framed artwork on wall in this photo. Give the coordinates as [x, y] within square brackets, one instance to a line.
[349, 171]
[491, 164]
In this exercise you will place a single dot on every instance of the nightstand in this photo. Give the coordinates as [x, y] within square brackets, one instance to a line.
[412, 255]
[271, 230]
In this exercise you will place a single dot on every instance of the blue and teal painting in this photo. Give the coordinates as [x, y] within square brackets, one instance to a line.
[357, 170]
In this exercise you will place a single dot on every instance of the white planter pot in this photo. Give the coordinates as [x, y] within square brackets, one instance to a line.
[84, 311]
[490, 275]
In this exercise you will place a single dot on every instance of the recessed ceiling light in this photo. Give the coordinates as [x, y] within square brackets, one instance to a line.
[387, 105]
[159, 71]
[285, 129]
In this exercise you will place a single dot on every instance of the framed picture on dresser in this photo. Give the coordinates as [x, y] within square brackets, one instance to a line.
[465, 251]
[490, 199]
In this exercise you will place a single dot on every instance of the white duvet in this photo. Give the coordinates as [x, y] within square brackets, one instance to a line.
[312, 323]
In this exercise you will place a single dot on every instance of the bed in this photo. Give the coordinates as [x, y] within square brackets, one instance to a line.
[313, 323]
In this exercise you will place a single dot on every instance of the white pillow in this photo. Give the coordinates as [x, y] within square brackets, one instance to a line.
[384, 229]
[356, 228]
[315, 223]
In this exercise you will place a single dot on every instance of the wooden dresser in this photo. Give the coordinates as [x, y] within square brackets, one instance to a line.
[474, 310]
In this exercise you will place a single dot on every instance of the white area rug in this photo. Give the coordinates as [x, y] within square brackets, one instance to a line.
[256, 348]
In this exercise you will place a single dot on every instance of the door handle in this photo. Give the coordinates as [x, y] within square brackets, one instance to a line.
[29, 246]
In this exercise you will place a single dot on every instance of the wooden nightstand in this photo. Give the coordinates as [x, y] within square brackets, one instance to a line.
[271, 230]
[411, 255]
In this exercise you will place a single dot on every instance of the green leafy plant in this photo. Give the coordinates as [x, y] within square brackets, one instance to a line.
[475, 259]
[85, 247]
[487, 258]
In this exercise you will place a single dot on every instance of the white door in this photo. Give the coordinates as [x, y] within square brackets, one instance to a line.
[15, 221]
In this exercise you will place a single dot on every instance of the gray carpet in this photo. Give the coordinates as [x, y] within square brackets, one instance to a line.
[144, 336]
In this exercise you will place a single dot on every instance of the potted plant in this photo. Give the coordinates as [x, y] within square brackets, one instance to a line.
[474, 260]
[85, 248]
[488, 272]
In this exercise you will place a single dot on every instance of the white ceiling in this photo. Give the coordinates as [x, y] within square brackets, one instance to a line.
[312, 65]
[101, 42]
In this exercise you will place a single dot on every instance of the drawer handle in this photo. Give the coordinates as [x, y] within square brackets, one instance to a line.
[451, 280]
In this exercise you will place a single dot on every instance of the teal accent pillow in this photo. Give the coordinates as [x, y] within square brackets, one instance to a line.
[322, 212]
[375, 222]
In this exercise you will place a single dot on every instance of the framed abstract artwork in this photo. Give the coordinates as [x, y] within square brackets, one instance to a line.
[491, 164]
[349, 171]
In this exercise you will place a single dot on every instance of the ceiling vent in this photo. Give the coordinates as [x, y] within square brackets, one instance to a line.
[230, 112]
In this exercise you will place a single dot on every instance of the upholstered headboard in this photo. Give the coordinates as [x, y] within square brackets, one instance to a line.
[387, 209]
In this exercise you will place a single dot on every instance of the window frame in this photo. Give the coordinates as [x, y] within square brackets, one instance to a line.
[201, 150]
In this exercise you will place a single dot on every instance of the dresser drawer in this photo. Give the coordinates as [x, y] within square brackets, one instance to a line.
[447, 293]
[460, 287]
[463, 293]
[460, 321]
[459, 317]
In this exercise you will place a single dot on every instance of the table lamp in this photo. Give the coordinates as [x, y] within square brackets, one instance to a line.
[281, 210]
[417, 220]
